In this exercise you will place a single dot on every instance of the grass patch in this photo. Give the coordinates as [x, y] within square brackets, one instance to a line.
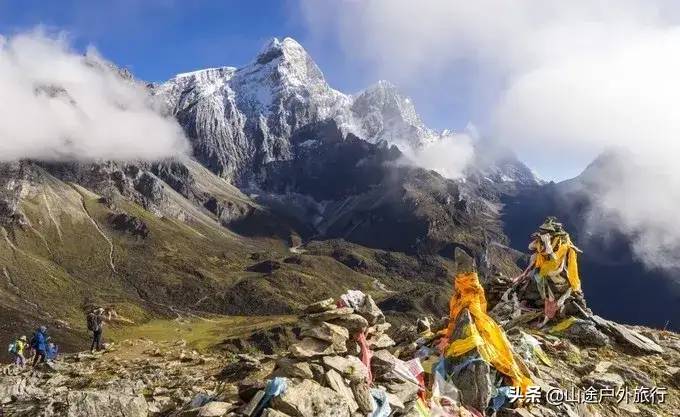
[200, 334]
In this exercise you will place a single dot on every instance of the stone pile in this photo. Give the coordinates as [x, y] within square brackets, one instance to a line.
[342, 365]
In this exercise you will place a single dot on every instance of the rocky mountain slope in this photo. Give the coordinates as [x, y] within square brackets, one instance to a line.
[317, 370]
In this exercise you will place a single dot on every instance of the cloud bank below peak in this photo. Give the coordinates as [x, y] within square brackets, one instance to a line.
[60, 105]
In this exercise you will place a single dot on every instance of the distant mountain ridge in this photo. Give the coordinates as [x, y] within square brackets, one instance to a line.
[240, 119]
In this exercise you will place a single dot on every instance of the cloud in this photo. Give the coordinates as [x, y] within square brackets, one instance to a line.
[561, 82]
[60, 105]
[449, 156]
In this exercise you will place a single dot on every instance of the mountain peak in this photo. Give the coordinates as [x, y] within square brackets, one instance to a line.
[383, 85]
[287, 48]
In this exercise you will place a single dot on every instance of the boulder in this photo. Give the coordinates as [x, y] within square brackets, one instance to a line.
[240, 369]
[249, 409]
[296, 401]
[352, 322]
[474, 380]
[675, 377]
[378, 328]
[604, 380]
[405, 391]
[289, 368]
[318, 371]
[382, 362]
[370, 311]
[330, 314]
[310, 347]
[337, 383]
[321, 306]
[350, 367]
[215, 409]
[628, 336]
[395, 402]
[380, 341]
[362, 395]
[327, 332]
[160, 404]
[585, 333]
[247, 388]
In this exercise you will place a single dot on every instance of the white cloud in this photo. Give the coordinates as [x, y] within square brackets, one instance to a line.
[57, 104]
[448, 156]
[563, 81]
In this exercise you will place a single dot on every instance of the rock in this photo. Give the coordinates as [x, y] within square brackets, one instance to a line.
[352, 322]
[161, 404]
[289, 368]
[350, 367]
[628, 336]
[330, 314]
[247, 389]
[604, 380]
[675, 377]
[631, 374]
[337, 383]
[362, 395]
[199, 400]
[105, 404]
[328, 332]
[585, 333]
[215, 409]
[310, 347]
[406, 391]
[370, 311]
[296, 401]
[237, 371]
[252, 404]
[230, 393]
[318, 372]
[395, 402]
[474, 380]
[381, 341]
[321, 306]
[382, 362]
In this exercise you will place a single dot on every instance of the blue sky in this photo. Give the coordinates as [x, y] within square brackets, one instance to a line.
[156, 39]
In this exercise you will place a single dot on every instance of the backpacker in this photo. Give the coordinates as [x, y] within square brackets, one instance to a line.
[92, 324]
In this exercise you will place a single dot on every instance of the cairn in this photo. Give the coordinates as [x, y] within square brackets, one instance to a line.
[341, 365]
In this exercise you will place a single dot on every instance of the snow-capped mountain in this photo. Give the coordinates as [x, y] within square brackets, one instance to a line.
[382, 113]
[242, 118]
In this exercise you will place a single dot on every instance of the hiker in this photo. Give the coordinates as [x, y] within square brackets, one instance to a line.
[18, 349]
[552, 274]
[52, 350]
[95, 324]
[39, 344]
